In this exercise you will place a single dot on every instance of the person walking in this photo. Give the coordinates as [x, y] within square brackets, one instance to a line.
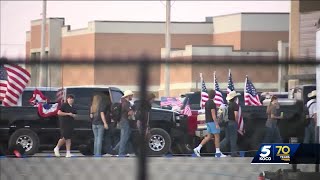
[309, 133]
[99, 122]
[272, 131]
[232, 126]
[213, 127]
[66, 114]
[126, 112]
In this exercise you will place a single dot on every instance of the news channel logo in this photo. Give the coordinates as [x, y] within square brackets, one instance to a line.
[275, 154]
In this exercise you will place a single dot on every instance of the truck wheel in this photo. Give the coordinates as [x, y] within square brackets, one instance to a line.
[28, 139]
[159, 142]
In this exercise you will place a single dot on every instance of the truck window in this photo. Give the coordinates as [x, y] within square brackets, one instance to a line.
[27, 95]
[83, 96]
[116, 96]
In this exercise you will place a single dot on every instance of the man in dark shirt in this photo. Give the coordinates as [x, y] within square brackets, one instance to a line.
[212, 126]
[126, 113]
[231, 130]
[66, 114]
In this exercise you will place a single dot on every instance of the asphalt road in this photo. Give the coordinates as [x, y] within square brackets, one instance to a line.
[47, 167]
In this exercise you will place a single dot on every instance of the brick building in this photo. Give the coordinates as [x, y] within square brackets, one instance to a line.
[304, 17]
[249, 35]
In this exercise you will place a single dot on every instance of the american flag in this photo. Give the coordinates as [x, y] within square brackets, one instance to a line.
[218, 99]
[13, 80]
[37, 98]
[170, 101]
[60, 95]
[204, 94]
[230, 83]
[251, 97]
[187, 109]
[240, 117]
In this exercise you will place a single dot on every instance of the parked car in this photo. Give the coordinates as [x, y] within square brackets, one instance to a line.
[35, 133]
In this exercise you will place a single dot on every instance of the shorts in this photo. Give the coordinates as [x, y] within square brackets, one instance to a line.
[211, 128]
[66, 129]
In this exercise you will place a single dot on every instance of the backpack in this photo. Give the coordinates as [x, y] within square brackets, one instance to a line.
[306, 112]
[116, 111]
[222, 115]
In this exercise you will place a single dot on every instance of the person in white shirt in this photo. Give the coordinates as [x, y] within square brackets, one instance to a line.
[309, 134]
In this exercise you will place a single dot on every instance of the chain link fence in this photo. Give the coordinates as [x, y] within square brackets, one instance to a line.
[170, 130]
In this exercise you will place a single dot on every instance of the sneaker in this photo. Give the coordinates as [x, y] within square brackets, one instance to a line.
[56, 152]
[69, 155]
[196, 152]
[107, 155]
[220, 155]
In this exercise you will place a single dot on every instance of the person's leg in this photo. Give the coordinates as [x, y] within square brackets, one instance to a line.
[226, 139]
[217, 145]
[100, 139]
[68, 147]
[95, 134]
[277, 136]
[58, 146]
[307, 135]
[207, 138]
[125, 134]
[268, 135]
[233, 137]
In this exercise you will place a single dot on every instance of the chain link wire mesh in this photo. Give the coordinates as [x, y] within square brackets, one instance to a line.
[176, 164]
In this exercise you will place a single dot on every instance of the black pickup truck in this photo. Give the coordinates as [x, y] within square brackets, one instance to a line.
[23, 125]
[255, 117]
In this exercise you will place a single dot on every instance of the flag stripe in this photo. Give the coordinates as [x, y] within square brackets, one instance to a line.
[13, 81]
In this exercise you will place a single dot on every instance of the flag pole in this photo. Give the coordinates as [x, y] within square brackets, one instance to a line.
[201, 80]
[42, 75]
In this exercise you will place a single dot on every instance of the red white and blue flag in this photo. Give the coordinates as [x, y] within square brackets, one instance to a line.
[45, 109]
[218, 99]
[251, 97]
[204, 93]
[13, 80]
[37, 98]
[187, 109]
[60, 95]
[240, 117]
[230, 83]
[170, 101]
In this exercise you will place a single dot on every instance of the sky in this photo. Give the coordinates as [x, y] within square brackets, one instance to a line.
[17, 15]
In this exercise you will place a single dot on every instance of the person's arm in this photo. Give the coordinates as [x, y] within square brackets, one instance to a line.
[103, 117]
[236, 112]
[213, 114]
[61, 113]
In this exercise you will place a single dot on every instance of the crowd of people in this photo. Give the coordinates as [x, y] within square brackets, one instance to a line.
[103, 124]
[100, 115]
[272, 134]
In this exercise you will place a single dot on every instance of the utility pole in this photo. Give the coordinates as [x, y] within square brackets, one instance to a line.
[318, 88]
[168, 47]
[42, 71]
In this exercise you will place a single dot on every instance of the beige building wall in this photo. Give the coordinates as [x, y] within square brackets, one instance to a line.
[265, 78]
[81, 47]
[303, 15]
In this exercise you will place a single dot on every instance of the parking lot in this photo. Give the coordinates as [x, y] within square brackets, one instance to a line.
[46, 167]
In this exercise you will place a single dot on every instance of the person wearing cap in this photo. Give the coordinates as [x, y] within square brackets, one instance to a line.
[126, 112]
[309, 133]
[66, 114]
[213, 127]
[272, 134]
[231, 129]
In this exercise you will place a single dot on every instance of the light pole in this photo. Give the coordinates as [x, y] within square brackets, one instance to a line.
[42, 71]
[318, 87]
[168, 47]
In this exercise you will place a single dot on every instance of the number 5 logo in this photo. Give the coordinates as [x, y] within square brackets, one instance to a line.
[265, 151]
